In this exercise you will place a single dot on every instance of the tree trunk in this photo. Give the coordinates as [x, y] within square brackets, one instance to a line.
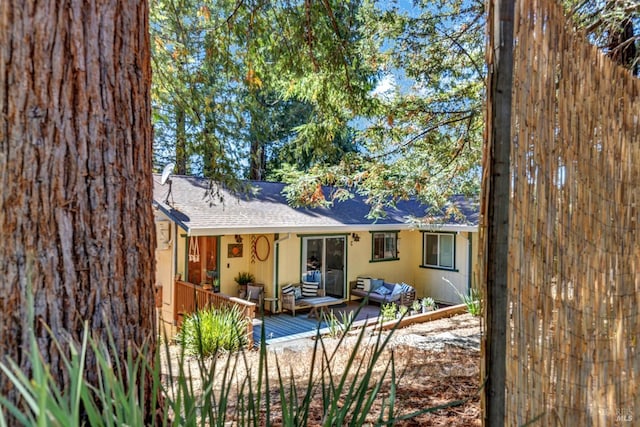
[181, 140]
[256, 160]
[75, 171]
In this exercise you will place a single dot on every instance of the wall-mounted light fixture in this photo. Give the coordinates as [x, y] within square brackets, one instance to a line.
[355, 237]
[238, 238]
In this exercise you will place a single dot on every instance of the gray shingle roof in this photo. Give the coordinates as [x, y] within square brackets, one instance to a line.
[267, 211]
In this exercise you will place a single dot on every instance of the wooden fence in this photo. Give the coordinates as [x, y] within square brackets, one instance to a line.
[188, 298]
[573, 324]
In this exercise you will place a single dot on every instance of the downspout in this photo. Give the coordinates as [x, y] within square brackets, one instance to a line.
[470, 263]
[276, 259]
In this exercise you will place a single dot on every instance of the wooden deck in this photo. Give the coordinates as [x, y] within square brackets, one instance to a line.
[284, 327]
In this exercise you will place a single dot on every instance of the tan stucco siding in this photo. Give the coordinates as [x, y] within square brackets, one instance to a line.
[433, 282]
[394, 271]
[259, 264]
[165, 272]
[359, 263]
[287, 267]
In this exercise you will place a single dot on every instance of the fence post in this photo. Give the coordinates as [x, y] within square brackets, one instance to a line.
[495, 209]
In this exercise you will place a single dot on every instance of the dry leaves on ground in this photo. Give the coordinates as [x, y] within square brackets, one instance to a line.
[437, 364]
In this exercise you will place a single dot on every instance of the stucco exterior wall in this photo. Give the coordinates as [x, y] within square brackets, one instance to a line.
[435, 282]
[289, 264]
[359, 261]
[286, 267]
[165, 272]
[259, 264]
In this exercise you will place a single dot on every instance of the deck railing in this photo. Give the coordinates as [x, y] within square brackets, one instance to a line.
[188, 298]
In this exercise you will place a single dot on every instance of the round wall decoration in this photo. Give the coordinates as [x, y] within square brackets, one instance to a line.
[261, 248]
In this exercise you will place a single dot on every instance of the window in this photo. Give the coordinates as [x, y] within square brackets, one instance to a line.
[439, 250]
[384, 246]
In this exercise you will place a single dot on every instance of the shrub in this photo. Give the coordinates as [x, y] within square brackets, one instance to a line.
[347, 398]
[207, 332]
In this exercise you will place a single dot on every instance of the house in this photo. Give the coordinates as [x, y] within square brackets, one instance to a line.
[202, 242]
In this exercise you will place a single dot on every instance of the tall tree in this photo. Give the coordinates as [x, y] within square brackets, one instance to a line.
[227, 64]
[423, 138]
[75, 160]
[422, 125]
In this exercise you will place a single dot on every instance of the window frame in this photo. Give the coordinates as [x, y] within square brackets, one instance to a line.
[439, 266]
[385, 234]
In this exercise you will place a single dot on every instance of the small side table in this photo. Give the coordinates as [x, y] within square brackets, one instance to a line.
[271, 301]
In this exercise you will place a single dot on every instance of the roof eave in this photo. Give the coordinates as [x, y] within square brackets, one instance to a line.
[221, 231]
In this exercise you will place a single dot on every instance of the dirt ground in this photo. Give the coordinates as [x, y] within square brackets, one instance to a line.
[437, 363]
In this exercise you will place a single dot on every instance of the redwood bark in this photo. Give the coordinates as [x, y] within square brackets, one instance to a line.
[76, 221]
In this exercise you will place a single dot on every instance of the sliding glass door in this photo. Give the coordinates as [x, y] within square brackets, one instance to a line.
[327, 254]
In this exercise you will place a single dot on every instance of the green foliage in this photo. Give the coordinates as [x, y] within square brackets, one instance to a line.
[118, 399]
[421, 138]
[207, 332]
[218, 396]
[338, 325]
[473, 300]
[233, 90]
[244, 278]
[416, 306]
[388, 312]
[428, 303]
[403, 310]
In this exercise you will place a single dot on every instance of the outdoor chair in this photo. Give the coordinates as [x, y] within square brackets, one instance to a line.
[255, 294]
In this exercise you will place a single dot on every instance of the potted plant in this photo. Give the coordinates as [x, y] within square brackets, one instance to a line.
[402, 311]
[388, 312]
[416, 307]
[210, 279]
[243, 279]
[428, 304]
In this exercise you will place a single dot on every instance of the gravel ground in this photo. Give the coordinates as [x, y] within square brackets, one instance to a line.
[438, 362]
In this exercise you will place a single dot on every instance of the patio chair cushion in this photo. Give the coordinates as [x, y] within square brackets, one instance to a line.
[406, 287]
[288, 289]
[313, 276]
[309, 290]
[397, 289]
[289, 301]
[376, 284]
[382, 290]
[383, 296]
[254, 293]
